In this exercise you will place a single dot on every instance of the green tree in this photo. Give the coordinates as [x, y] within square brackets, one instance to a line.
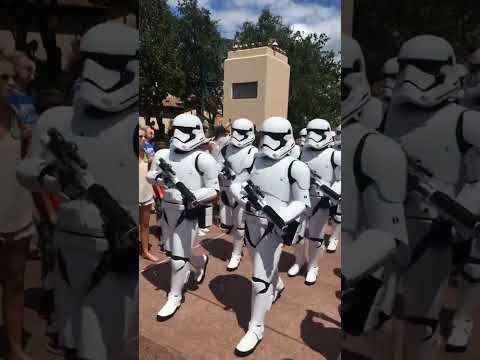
[314, 71]
[160, 69]
[202, 51]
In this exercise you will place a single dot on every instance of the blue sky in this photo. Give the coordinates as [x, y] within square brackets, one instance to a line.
[309, 16]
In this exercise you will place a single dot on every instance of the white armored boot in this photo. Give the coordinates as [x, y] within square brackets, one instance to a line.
[462, 323]
[314, 252]
[180, 271]
[333, 240]
[278, 289]
[237, 250]
[299, 259]
[200, 264]
[262, 293]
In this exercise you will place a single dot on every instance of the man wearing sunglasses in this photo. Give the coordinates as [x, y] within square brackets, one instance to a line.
[196, 170]
[237, 156]
[283, 183]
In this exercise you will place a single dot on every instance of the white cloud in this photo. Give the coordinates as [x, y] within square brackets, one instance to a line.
[305, 17]
[231, 20]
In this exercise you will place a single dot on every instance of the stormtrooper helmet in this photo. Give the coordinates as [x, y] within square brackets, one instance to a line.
[390, 71]
[277, 137]
[109, 81]
[187, 132]
[243, 133]
[354, 86]
[302, 137]
[428, 74]
[320, 134]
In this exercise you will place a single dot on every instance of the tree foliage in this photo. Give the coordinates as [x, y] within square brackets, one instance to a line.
[161, 71]
[382, 31]
[314, 71]
[202, 51]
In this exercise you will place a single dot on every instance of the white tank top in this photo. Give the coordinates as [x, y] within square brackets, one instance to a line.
[16, 203]
[145, 192]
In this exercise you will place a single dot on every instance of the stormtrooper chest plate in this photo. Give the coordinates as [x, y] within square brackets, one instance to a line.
[237, 157]
[320, 164]
[184, 165]
[433, 144]
[272, 177]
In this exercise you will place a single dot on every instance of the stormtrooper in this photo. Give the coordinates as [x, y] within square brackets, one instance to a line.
[297, 149]
[191, 178]
[237, 156]
[440, 139]
[336, 210]
[275, 196]
[374, 234]
[89, 287]
[323, 162]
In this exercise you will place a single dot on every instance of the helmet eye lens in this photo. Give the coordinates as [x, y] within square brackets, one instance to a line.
[241, 132]
[320, 132]
[275, 136]
[185, 129]
[432, 67]
[111, 62]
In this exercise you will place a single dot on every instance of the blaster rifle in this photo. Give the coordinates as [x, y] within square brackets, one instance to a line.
[120, 228]
[447, 207]
[255, 196]
[169, 178]
[227, 171]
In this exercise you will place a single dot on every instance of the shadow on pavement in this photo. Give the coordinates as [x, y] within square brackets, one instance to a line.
[233, 291]
[219, 248]
[35, 300]
[158, 275]
[286, 261]
[322, 339]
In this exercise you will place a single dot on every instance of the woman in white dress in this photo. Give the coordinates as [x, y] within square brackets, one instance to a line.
[16, 216]
[146, 199]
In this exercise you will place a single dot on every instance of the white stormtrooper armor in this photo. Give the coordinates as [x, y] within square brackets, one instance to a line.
[323, 161]
[438, 137]
[390, 71]
[374, 235]
[105, 113]
[237, 156]
[285, 184]
[198, 172]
